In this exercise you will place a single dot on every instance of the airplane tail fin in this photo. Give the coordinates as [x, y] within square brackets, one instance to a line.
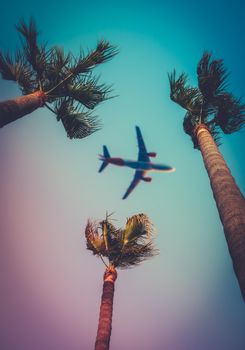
[103, 157]
[106, 152]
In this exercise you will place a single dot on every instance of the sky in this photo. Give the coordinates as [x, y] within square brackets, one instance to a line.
[187, 298]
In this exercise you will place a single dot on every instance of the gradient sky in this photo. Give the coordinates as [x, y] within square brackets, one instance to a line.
[187, 298]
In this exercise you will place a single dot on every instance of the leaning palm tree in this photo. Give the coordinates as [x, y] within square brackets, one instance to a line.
[211, 109]
[49, 77]
[123, 248]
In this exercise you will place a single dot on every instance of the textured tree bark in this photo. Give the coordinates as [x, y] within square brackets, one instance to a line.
[105, 319]
[229, 200]
[12, 110]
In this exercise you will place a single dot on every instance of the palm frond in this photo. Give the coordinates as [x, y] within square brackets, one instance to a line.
[111, 235]
[55, 73]
[29, 33]
[137, 226]
[230, 116]
[77, 124]
[88, 93]
[187, 97]
[102, 238]
[57, 66]
[15, 69]
[212, 76]
[36, 55]
[59, 58]
[94, 241]
[105, 234]
[103, 53]
[7, 67]
[135, 254]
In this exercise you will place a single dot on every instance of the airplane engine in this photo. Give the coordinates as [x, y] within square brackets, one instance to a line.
[152, 154]
[147, 179]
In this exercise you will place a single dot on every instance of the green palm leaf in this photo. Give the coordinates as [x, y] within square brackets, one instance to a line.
[184, 95]
[7, 67]
[105, 234]
[35, 55]
[135, 254]
[230, 115]
[57, 68]
[88, 93]
[59, 59]
[103, 52]
[16, 70]
[95, 242]
[136, 227]
[77, 124]
[212, 76]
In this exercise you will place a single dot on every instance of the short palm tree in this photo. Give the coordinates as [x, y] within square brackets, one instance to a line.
[123, 248]
[211, 109]
[49, 77]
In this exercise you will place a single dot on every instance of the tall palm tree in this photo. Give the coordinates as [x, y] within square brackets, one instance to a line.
[51, 77]
[123, 248]
[211, 109]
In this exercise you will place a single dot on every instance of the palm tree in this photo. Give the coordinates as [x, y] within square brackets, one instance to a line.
[123, 248]
[210, 110]
[51, 77]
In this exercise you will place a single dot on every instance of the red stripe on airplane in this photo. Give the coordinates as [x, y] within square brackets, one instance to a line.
[117, 161]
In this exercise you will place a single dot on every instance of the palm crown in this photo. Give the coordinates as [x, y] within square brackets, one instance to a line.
[123, 247]
[66, 81]
[210, 103]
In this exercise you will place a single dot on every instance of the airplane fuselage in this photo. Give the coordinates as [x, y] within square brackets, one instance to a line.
[140, 165]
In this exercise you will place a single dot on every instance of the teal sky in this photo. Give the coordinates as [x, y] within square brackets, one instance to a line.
[187, 298]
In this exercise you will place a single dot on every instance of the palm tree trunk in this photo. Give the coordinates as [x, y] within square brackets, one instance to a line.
[229, 200]
[12, 110]
[106, 308]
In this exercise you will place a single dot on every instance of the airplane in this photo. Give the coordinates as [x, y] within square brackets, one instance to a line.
[142, 166]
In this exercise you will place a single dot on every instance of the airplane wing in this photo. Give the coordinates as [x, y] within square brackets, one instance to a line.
[142, 156]
[137, 177]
